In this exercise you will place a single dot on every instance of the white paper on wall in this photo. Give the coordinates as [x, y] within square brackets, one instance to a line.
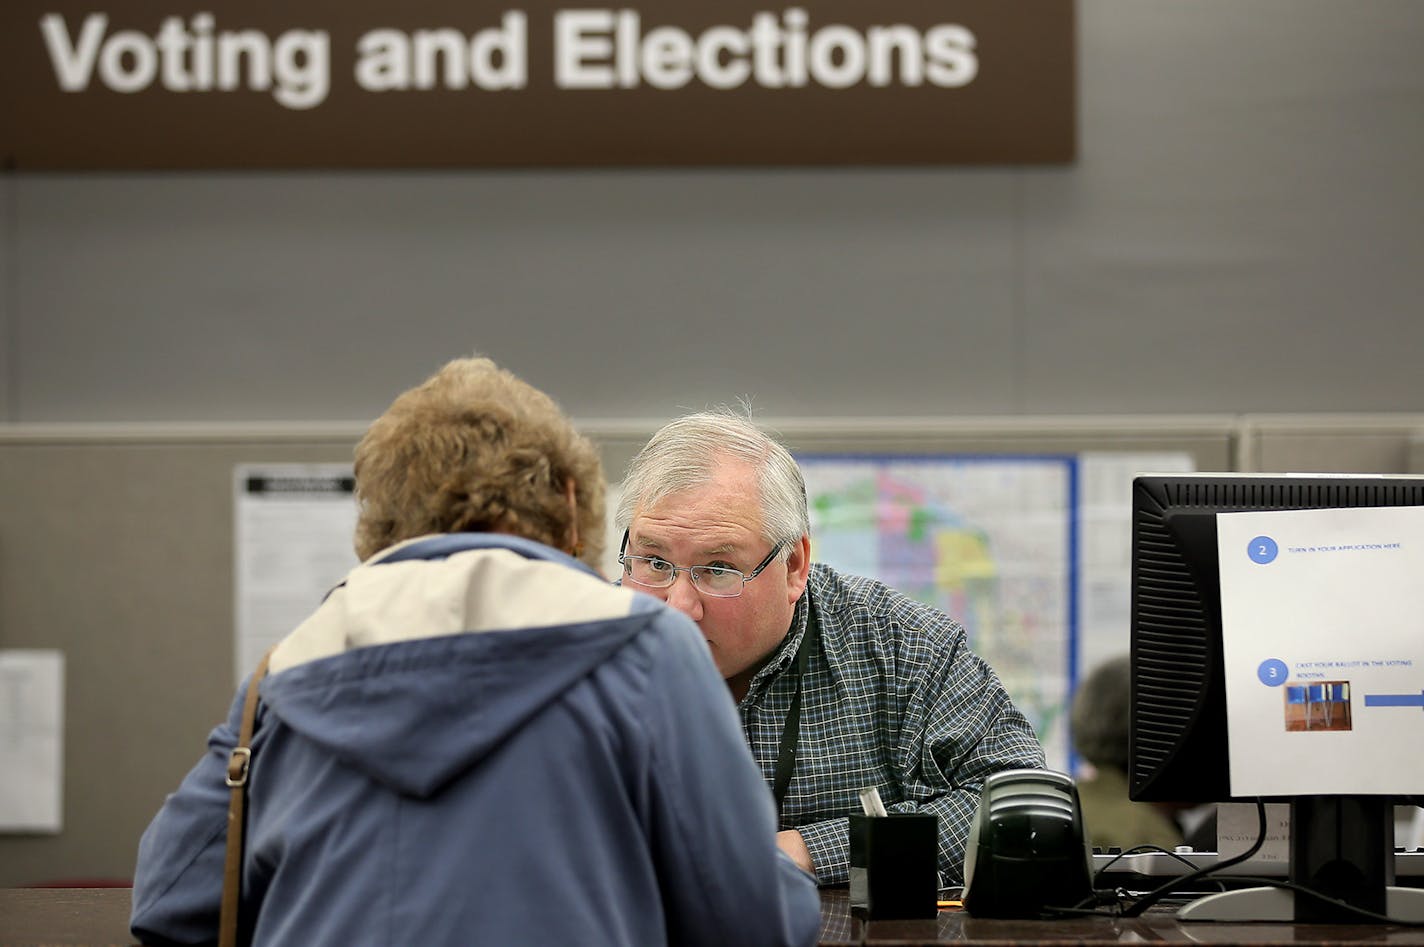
[31, 740]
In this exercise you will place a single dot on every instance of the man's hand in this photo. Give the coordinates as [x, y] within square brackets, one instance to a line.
[791, 842]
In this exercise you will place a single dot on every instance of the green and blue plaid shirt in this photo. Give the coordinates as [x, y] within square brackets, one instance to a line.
[893, 698]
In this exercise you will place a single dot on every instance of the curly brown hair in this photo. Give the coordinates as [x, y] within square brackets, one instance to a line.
[476, 449]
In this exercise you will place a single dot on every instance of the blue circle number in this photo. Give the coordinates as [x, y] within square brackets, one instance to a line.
[1262, 550]
[1273, 672]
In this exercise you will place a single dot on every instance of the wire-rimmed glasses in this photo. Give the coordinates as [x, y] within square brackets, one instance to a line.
[655, 572]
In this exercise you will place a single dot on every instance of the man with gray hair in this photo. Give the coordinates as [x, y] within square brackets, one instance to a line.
[841, 682]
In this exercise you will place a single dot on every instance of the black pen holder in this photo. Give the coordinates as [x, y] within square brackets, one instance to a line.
[894, 865]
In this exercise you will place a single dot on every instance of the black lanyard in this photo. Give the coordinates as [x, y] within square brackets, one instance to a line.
[791, 732]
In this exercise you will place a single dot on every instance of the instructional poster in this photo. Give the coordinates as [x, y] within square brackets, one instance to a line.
[1321, 613]
[294, 529]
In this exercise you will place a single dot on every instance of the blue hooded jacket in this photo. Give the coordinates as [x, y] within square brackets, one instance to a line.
[476, 740]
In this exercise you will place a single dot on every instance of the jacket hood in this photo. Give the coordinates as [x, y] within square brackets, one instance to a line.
[428, 656]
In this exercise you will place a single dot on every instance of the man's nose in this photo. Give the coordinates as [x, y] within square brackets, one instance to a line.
[683, 596]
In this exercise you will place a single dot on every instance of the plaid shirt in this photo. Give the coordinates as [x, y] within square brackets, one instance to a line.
[893, 698]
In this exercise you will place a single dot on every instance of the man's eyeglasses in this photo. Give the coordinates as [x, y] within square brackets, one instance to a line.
[654, 572]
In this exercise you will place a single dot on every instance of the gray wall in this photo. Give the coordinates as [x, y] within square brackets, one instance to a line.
[1239, 243]
[1240, 234]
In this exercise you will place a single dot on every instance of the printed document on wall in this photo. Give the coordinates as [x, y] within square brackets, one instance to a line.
[1320, 613]
[1105, 551]
[31, 741]
[293, 528]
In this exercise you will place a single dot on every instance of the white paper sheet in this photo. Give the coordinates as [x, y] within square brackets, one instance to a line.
[1238, 825]
[293, 532]
[1324, 655]
[1105, 549]
[31, 741]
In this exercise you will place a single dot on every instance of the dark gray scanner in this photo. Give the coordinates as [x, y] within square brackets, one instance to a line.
[1026, 853]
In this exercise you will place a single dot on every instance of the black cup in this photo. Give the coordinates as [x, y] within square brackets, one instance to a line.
[894, 865]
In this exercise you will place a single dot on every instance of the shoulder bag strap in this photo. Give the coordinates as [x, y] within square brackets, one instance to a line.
[238, 764]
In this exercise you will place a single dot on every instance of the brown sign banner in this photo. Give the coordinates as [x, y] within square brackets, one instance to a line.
[158, 84]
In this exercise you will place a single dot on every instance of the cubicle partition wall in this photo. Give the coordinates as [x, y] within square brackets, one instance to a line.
[117, 549]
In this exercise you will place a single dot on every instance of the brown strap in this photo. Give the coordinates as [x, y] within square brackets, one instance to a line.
[238, 763]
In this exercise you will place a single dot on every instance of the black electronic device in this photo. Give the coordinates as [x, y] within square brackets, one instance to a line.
[1341, 846]
[1026, 853]
[894, 865]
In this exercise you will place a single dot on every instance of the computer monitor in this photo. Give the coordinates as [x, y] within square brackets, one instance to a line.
[1341, 846]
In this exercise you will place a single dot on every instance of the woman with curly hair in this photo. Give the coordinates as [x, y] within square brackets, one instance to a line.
[475, 738]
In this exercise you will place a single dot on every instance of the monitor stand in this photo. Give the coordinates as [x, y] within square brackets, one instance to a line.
[1340, 846]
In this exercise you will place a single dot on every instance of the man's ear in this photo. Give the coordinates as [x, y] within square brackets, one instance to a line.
[798, 569]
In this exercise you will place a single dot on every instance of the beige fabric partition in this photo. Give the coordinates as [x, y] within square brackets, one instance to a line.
[116, 547]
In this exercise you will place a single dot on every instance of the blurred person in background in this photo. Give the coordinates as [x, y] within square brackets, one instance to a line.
[1100, 718]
